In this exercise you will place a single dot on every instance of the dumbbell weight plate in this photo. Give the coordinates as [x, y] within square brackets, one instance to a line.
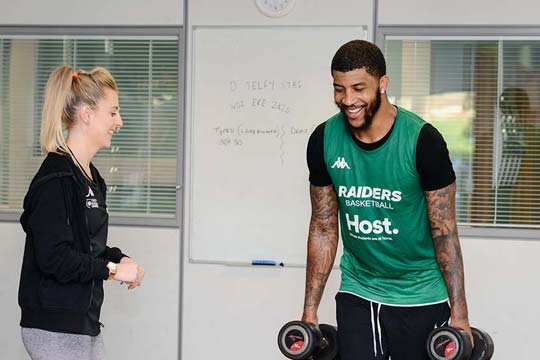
[330, 349]
[483, 345]
[448, 343]
[298, 340]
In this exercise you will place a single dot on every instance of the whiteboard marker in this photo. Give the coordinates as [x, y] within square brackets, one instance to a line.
[250, 263]
[266, 263]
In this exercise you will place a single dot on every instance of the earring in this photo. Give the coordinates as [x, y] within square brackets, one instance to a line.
[383, 91]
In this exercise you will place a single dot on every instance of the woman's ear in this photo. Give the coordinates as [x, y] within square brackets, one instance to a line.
[85, 113]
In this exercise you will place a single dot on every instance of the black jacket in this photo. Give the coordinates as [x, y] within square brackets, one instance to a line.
[58, 270]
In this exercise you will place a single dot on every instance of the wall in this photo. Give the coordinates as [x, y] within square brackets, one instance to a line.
[312, 12]
[11, 250]
[501, 292]
[240, 310]
[139, 324]
[236, 312]
[459, 12]
[99, 12]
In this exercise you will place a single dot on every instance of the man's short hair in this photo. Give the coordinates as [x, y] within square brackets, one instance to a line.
[358, 54]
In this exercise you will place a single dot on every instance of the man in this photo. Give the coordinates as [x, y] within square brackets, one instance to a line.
[389, 174]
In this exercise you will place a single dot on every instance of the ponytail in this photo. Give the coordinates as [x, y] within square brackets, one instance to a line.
[57, 95]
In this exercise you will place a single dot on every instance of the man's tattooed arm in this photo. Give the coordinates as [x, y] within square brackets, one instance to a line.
[322, 246]
[442, 217]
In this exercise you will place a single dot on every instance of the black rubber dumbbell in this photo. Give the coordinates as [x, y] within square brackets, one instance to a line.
[449, 343]
[483, 345]
[298, 340]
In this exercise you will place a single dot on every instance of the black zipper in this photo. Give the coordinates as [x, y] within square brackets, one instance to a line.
[91, 254]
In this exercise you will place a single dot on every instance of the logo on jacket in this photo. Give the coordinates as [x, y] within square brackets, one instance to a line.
[90, 193]
[91, 201]
[340, 163]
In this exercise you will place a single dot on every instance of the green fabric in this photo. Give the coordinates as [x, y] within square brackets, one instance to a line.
[388, 249]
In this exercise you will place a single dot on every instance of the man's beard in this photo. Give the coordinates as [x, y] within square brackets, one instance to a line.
[370, 112]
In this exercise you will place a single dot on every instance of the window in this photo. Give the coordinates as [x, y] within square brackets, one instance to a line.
[483, 94]
[140, 168]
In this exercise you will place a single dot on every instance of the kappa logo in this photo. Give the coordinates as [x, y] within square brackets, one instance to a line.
[90, 193]
[341, 163]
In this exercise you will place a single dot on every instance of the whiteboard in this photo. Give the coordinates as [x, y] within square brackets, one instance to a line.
[257, 95]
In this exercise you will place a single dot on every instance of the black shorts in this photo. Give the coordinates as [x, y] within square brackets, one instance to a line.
[371, 331]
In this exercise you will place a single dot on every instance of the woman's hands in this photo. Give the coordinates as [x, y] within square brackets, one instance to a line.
[129, 272]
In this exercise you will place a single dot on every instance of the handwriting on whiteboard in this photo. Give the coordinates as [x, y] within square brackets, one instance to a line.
[264, 84]
[260, 103]
[273, 101]
[230, 137]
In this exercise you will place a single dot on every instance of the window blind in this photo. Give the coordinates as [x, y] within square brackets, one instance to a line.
[140, 167]
[483, 96]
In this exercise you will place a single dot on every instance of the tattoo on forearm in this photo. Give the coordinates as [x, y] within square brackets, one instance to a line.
[442, 217]
[322, 242]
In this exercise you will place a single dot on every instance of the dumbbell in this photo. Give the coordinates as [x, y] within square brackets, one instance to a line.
[298, 340]
[449, 343]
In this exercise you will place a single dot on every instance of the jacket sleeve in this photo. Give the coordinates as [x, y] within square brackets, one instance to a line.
[53, 239]
[114, 254]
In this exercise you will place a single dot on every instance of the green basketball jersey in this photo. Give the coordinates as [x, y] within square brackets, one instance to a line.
[388, 252]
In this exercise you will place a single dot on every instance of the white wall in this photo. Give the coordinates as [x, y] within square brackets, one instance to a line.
[242, 309]
[139, 324]
[11, 251]
[458, 12]
[305, 12]
[98, 12]
[142, 323]
[502, 292]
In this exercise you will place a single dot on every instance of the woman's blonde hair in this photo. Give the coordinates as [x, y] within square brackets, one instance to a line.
[66, 90]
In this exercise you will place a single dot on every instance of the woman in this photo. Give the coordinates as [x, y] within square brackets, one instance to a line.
[65, 219]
